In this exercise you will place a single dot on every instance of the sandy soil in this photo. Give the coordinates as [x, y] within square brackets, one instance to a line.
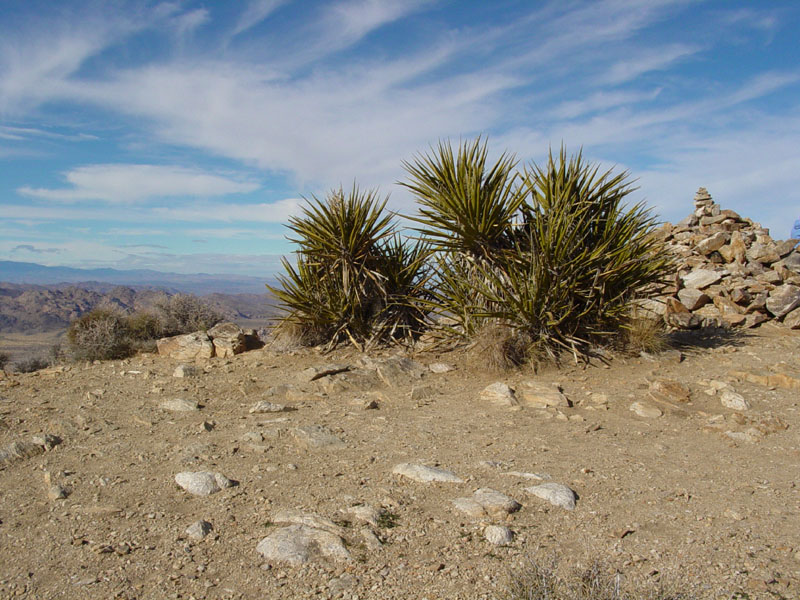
[704, 495]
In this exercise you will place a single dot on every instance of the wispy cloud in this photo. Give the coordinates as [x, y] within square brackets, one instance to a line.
[134, 183]
[255, 13]
[655, 59]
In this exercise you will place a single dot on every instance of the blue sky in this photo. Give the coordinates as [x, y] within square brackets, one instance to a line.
[179, 136]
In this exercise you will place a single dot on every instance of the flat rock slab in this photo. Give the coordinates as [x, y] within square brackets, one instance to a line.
[313, 437]
[268, 407]
[202, 483]
[669, 389]
[297, 545]
[701, 278]
[425, 474]
[646, 411]
[783, 300]
[291, 516]
[540, 395]
[487, 502]
[179, 405]
[555, 493]
[440, 367]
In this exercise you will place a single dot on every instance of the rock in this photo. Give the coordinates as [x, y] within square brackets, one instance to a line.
[296, 517]
[494, 503]
[731, 399]
[499, 394]
[539, 395]
[189, 346]
[555, 493]
[713, 243]
[186, 371]
[470, 507]
[692, 298]
[202, 483]
[440, 368]
[267, 407]
[783, 300]
[228, 338]
[316, 373]
[296, 545]
[701, 278]
[677, 315]
[498, 535]
[426, 474]
[422, 392]
[56, 492]
[20, 451]
[647, 411]
[364, 513]
[669, 389]
[199, 530]
[315, 437]
[179, 405]
[762, 253]
[792, 320]
[399, 371]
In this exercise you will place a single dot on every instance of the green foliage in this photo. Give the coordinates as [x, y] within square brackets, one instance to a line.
[564, 260]
[100, 334]
[354, 279]
[466, 207]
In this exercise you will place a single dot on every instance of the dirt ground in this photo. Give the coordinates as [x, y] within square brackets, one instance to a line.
[704, 496]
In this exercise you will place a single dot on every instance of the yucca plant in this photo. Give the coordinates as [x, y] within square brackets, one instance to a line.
[468, 207]
[581, 257]
[354, 279]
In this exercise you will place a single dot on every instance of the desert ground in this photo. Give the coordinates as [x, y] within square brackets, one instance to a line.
[694, 493]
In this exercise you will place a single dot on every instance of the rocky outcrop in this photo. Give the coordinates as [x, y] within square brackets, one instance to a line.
[731, 273]
[223, 340]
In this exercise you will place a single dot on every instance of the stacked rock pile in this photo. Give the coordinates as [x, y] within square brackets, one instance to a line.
[731, 273]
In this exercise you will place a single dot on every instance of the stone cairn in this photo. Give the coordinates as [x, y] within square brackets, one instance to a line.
[731, 273]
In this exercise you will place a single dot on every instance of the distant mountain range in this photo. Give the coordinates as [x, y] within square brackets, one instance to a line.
[200, 283]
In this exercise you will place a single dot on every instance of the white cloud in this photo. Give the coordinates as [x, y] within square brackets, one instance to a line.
[255, 13]
[655, 59]
[122, 183]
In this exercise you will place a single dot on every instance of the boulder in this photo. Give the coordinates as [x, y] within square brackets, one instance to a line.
[229, 339]
[189, 346]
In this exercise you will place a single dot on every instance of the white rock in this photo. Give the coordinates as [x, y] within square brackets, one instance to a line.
[364, 513]
[296, 545]
[267, 407]
[554, 493]
[198, 530]
[495, 503]
[500, 394]
[731, 399]
[426, 474]
[701, 278]
[469, 507]
[647, 411]
[315, 521]
[202, 483]
[179, 405]
[498, 535]
[440, 368]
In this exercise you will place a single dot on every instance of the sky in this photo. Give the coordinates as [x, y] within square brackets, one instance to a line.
[181, 136]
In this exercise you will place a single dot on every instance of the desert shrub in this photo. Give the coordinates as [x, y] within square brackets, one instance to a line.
[4, 358]
[144, 325]
[552, 254]
[32, 364]
[539, 581]
[185, 313]
[100, 334]
[354, 279]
